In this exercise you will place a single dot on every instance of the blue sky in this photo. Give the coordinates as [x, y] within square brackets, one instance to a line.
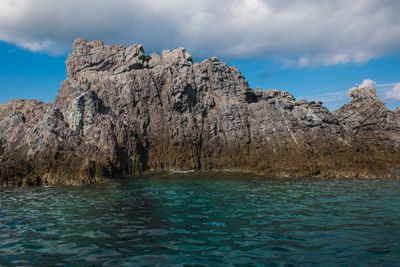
[29, 75]
[313, 49]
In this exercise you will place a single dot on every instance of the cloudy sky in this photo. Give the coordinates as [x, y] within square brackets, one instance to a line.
[315, 49]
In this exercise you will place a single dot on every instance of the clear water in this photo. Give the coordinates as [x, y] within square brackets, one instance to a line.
[203, 220]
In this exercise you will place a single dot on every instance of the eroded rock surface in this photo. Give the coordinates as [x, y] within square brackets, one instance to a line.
[121, 112]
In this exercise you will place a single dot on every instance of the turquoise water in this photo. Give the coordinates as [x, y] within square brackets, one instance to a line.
[203, 220]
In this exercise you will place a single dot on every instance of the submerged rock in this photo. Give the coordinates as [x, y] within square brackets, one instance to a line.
[121, 112]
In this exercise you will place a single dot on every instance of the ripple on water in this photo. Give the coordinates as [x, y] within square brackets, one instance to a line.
[209, 220]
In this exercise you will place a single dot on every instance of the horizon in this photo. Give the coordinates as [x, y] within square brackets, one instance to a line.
[274, 45]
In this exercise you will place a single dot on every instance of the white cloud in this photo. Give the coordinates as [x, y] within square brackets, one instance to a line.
[307, 32]
[368, 83]
[394, 94]
[37, 46]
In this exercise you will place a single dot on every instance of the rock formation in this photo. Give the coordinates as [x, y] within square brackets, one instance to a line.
[121, 112]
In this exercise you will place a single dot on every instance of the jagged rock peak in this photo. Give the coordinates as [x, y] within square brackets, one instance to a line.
[363, 92]
[177, 56]
[96, 56]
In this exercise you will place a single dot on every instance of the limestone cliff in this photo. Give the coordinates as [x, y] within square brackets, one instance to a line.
[121, 112]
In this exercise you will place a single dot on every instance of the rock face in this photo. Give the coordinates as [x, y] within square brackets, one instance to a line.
[121, 112]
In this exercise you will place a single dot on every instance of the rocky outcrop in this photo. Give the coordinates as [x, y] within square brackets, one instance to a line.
[121, 112]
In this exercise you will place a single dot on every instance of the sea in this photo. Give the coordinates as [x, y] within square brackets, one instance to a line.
[200, 219]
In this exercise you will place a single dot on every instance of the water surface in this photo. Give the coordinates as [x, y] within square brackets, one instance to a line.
[204, 220]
